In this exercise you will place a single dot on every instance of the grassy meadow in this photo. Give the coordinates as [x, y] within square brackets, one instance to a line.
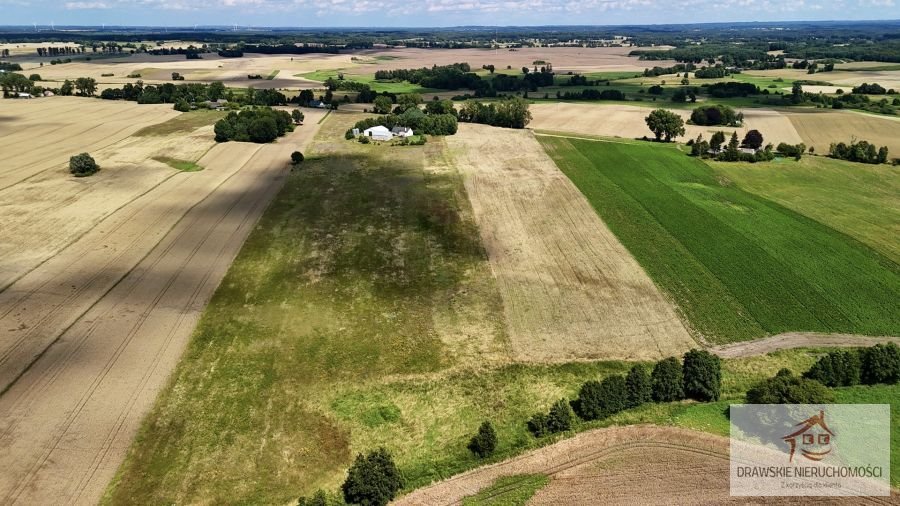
[856, 199]
[738, 266]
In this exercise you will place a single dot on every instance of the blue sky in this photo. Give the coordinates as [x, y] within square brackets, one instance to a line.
[317, 13]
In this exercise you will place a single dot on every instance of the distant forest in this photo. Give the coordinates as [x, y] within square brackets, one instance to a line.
[739, 42]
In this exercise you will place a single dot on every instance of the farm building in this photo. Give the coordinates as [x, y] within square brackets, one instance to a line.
[399, 131]
[378, 133]
[24, 95]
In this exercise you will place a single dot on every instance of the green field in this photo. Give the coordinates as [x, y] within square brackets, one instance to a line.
[182, 165]
[183, 123]
[857, 199]
[738, 266]
[509, 491]
[367, 78]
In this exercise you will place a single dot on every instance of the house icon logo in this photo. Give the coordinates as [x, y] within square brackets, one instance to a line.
[813, 438]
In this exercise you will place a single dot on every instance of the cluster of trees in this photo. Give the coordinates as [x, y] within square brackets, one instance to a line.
[445, 77]
[661, 71]
[731, 89]
[10, 67]
[716, 115]
[508, 113]
[879, 364]
[730, 152]
[12, 82]
[185, 95]
[259, 124]
[858, 151]
[872, 89]
[591, 94]
[714, 72]
[428, 122]
[697, 376]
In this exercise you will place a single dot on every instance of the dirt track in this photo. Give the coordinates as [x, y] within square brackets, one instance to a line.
[570, 290]
[103, 321]
[797, 340]
[617, 465]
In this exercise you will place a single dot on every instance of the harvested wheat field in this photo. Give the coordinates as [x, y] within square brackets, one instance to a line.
[641, 464]
[90, 335]
[627, 121]
[819, 128]
[44, 207]
[570, 289]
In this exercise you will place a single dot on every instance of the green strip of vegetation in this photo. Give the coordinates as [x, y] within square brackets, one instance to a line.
[272, 75]
[183, 123]
[182, 165]
[738, 266]
[509, 491]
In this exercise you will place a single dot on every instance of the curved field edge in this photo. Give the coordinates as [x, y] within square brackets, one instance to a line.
[737, 265]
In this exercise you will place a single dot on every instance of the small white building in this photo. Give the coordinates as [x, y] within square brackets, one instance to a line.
[378, 133]
[399, 131]
[24, 95]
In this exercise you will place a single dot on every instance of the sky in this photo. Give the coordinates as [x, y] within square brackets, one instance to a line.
[425, 13]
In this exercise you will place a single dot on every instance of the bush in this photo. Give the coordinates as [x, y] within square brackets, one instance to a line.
[791, 150]
[35, 77]
[83, 165]
[637, 387]
[372, 479]
[880, 364]
[667, 380]
[484, 442]
[181, 105]
[702, 372]
[836, 369]
[559, 419]
[296, 157]
[785, 388]
[598, 400]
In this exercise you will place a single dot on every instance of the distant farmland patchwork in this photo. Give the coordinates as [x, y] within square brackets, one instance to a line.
[739, 266]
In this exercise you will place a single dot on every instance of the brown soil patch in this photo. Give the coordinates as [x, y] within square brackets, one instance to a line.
[88, 337]
[619, 465]
[797, 340]
[570, 289]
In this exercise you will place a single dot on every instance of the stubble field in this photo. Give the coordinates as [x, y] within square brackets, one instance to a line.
[571, 291]
[91, 332]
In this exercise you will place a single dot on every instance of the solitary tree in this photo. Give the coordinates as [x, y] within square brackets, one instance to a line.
[484, 442]
[83, 165]
[702, 373]
[66, 88]
[716, 141]
[665, 123]
[373, 479]
[296, 157]
[753, 139]
[408, 101]
[667, 380]
[86, 86]
[297, 116]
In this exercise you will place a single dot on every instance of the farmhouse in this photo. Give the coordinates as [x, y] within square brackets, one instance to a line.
[378, 133]
[399, 131]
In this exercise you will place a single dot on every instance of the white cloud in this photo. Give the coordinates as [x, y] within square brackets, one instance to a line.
[86, 5]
